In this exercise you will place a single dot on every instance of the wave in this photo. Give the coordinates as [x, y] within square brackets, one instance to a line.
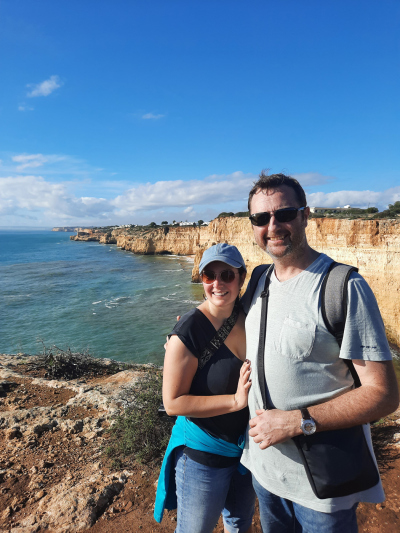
[175, 270]
[99, 302]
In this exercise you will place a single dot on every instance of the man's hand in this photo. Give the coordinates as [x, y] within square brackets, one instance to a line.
[274, 426]
[166, 343]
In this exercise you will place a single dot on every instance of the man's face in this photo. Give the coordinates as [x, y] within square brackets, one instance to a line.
[279, 239]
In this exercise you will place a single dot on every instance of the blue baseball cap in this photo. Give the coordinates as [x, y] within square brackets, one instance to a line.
[222, 252]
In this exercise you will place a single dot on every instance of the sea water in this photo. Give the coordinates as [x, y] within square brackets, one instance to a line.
[88, 296]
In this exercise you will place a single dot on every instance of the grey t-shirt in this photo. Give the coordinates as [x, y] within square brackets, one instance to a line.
[303, 367]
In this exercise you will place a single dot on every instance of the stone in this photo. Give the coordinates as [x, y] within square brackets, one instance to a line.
[13, 433]
[45, 464]
[128, 506]
[72, 426]
[6, 513]
[75, 508]
[39, 429]
[39, 495]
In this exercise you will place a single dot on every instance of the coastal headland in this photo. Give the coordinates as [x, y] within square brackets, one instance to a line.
[56, 477]
[373, 246]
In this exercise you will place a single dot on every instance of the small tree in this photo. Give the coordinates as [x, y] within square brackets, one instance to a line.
[152, 224]
[200, 222]
[164, 222]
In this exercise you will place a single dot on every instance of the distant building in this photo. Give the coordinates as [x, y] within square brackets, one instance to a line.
[322, 210]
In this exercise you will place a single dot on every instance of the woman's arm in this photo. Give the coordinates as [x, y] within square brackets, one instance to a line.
[180, 366]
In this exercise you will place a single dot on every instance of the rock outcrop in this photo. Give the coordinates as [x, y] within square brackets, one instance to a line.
[373, 246]
[52, 434]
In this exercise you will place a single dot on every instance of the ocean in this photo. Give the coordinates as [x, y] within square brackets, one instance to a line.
[88, 296]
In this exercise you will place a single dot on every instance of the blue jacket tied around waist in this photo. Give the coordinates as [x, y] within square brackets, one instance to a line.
[186, 433]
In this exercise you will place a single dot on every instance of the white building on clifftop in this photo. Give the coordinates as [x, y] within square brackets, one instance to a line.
[321, 210]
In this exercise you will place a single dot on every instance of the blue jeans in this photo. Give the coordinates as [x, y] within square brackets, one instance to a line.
[278, 515]
[205, 492]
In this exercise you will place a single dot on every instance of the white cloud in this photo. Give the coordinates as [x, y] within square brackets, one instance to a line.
[24, 107]
[215, 189]
[152, 116]
[307, 179]
[44, 88]
[24, 194]
[362, 199]
[35, 160]
[51, 200]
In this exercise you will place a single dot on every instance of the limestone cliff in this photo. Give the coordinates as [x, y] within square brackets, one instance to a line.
[371, 245]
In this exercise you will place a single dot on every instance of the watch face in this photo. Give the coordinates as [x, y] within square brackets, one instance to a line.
[308, 427]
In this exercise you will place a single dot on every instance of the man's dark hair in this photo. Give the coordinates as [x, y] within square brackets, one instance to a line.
[274, 181]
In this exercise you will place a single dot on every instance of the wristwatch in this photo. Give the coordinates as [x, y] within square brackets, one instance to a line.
[308, 425]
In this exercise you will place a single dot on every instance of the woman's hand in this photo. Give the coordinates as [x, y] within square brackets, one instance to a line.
[244, 385]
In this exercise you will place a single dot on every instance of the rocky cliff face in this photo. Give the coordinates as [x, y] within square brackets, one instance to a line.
[373, 246]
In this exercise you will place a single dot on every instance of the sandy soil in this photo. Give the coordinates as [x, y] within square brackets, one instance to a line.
[31, 466]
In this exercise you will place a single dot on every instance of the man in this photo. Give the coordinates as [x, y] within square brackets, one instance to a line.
[304, 367]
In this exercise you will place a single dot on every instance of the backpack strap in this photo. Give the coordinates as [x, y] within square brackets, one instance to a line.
[334, 292]
[247, 297]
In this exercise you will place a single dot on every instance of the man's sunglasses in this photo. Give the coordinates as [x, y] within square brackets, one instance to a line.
[209, 276]
[282, 215]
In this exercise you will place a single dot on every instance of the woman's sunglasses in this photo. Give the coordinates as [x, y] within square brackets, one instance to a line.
[209, 276]
[282, 215]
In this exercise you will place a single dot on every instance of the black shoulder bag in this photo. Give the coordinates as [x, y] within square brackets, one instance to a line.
[337, 462]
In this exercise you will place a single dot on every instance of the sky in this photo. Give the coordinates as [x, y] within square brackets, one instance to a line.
[134, 111]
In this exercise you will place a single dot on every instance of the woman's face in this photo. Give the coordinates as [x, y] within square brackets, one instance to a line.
[219, 292]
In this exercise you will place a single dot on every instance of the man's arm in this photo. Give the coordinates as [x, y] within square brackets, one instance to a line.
[377, 397]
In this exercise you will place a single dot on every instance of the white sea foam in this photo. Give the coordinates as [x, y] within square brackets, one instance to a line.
[99, 302]
[195, 302]
[176, 270]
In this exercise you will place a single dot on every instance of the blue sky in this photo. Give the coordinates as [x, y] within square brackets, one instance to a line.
[138, 111]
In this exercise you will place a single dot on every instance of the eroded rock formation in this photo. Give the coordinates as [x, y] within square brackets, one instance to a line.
[371, 245]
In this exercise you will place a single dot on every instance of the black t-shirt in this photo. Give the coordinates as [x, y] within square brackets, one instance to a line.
[219, 375]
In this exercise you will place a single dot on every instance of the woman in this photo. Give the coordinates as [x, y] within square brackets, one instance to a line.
[209, 396]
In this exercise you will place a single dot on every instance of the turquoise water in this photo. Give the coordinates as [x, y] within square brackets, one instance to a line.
[85, 295]
[89, 296]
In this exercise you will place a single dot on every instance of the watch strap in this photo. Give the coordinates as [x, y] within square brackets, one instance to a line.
[305, 415]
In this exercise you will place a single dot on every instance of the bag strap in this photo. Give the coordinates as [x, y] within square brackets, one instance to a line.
[219, 337]
[247, 297]
[261, 342]
[334, 298]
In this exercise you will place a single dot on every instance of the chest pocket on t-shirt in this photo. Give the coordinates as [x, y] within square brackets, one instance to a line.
[296, 339]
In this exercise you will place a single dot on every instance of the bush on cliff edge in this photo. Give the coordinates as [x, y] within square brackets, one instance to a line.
[138, 432]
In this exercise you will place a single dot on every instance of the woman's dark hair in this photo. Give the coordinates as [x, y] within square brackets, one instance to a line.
[241, 271]
[274, 181]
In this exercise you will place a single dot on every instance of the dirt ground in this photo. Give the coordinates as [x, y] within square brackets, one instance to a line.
[30, 467]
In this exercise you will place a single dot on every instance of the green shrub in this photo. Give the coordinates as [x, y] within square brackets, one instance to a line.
[138, 432]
